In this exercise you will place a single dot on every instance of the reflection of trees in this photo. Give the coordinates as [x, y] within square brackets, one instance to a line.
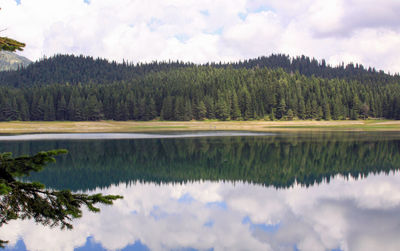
[264, 160]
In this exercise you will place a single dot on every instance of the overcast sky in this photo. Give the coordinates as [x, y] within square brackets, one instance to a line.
[363, 31]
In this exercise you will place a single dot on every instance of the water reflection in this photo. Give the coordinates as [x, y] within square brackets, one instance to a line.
[274, 192]
[344, 214]
[268, 160]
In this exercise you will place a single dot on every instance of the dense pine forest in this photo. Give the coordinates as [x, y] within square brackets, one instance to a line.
[277, 87]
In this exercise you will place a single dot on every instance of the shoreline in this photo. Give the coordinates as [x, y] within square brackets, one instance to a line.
[18, 127]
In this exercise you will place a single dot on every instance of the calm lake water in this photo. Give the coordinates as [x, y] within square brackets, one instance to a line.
[221, 191]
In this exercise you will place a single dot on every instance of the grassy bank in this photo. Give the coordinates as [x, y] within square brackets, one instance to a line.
[133, 126]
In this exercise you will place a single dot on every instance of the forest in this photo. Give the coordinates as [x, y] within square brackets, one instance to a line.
[78, 88]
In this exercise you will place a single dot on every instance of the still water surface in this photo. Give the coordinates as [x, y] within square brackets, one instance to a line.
[237, 191]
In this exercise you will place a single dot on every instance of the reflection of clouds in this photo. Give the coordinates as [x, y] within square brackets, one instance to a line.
[350, 215]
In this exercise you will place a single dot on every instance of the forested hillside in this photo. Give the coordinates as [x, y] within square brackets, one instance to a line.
[275, 87]
[80, 69]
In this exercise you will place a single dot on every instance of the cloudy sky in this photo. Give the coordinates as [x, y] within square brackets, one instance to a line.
[363, 31]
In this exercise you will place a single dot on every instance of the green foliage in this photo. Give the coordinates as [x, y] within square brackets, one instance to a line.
[82, 88]
[24, 200]
[8, 44]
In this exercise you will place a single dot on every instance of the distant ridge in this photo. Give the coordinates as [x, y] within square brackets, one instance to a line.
[72, 69]
[11, 61]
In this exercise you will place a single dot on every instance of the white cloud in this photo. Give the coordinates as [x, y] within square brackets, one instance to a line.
[208, 30]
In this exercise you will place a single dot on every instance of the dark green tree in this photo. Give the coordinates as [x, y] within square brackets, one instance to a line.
[281, 109]
[222, 109]
[94, 111]
[49, 112]
[61, 109]
[188, 115]
[167, 109]
[201, 110]
[235, 109]
[290, 114]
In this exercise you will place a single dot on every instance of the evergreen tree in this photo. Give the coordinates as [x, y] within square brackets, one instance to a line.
[94, 111]
[235, 110]
[281, 109]
[49, 112]
[179, 109]
[38, 110]
[290, 114]
[222, 110]
[71, 108]
[151, 110]
[327, 111]
[23, 108]
[201, 110]
[61, 113]
[188, 111]
[167, 109]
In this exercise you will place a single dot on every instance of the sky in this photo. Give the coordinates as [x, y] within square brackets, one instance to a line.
[358, 31]
[360, 215]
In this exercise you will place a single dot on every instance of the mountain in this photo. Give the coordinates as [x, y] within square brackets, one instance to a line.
[12, 61]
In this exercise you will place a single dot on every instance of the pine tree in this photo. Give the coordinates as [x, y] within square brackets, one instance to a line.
[38, 110]
[235, 109]
[167, 109]
[151, 110]
[23, 108]
[302, 109]
[49, 112]
[327, 111]
[179, 109]
[222, 110]
[14, 112]
[201, 110]
[272, 116]
[71, 108]
[209, 103]
[188, 114]
[246, 104]
[61, 113]
[290, 114]
[281, 110]
[94, 111]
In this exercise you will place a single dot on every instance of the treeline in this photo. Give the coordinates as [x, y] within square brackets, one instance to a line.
[62, 69]
[205, 92]
[270, 161]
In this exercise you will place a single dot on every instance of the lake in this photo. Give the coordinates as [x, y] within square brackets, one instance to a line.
[221, 191]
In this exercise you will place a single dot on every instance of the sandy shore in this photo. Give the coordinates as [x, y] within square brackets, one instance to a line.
[134, 126]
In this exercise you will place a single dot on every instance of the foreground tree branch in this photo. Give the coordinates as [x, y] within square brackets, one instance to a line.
[8, 44]
[23, 200]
